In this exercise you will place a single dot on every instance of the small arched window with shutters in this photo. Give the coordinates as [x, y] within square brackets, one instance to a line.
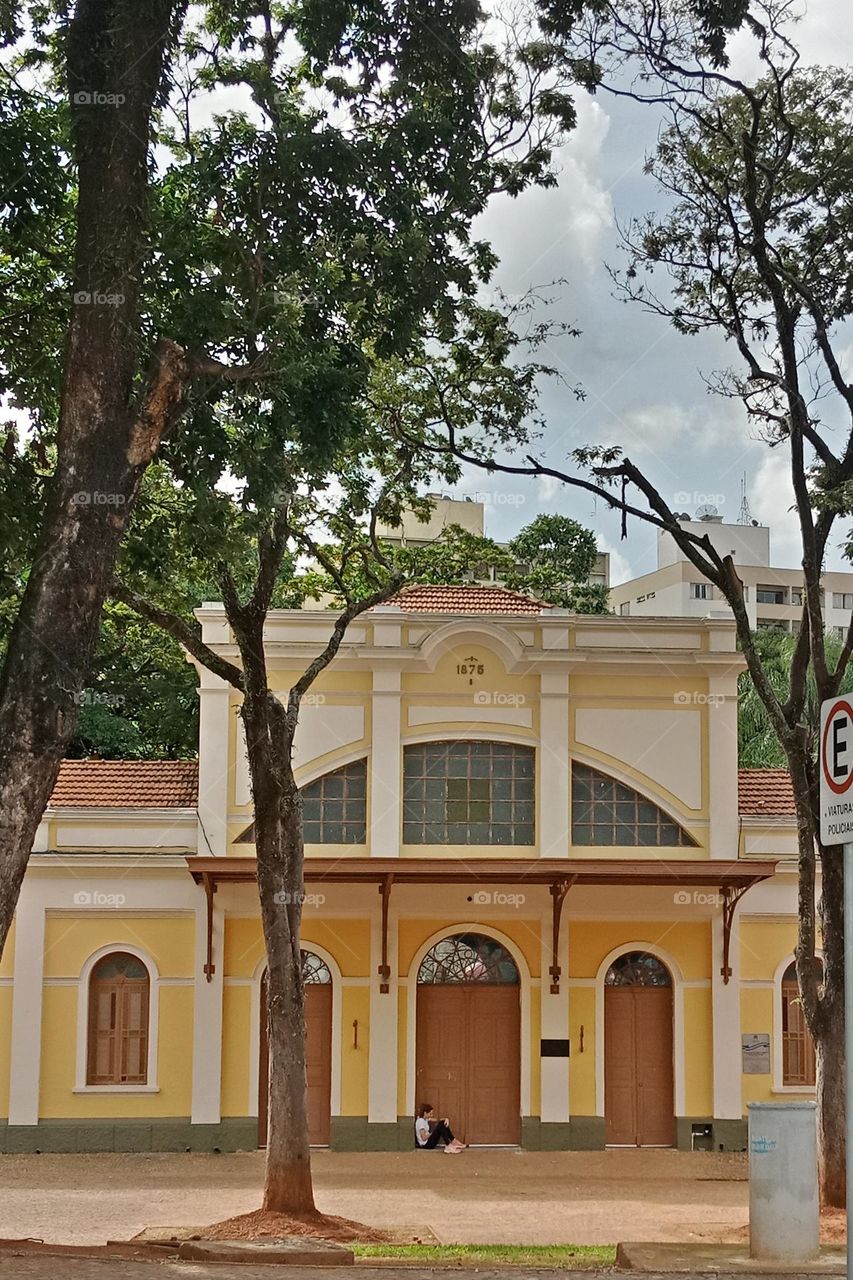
[119, 1000]
[799, 1068]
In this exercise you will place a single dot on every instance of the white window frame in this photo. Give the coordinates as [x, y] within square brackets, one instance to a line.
[83, 990]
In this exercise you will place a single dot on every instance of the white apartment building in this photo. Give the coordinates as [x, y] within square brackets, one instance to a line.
[774, 596]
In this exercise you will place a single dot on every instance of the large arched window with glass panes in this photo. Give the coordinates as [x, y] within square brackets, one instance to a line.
[119, 1001]
[468, 792]
[606, 811]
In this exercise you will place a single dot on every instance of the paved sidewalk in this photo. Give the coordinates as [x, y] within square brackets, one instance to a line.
[495, 1197]
[40, 1269]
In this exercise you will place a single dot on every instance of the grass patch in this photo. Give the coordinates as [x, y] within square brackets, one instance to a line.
[518, 1255]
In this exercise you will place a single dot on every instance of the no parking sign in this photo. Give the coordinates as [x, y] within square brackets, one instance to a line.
[836, 771]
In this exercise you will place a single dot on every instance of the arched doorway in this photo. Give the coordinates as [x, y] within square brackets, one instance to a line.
[469, 1037]
[639, 1105]
[318, 1052]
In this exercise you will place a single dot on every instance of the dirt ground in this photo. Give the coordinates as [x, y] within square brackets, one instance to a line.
[496, 1197]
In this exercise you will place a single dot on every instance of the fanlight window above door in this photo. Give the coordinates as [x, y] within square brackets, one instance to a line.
[468, 957]
[638, 969]
[314, 969]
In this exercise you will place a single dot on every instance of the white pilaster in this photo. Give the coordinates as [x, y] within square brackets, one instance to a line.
[385, 766]
[382, 1063]
[722, 766]
[25, 1065]
[215, 725]
[553, 837]
[728, 1101]
[207, 1021]
[554, 1072]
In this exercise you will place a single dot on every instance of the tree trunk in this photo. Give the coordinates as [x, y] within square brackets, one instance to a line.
[278, 839]
[831, 1077]
[115, 58]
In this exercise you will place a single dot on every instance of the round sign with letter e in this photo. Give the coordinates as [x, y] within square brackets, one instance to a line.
[836, 771]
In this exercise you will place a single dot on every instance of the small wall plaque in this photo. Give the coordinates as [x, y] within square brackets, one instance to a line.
[755, 1049]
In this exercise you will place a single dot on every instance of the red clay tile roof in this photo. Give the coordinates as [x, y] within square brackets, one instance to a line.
[467, 599]
[133, 784]
[765, 791]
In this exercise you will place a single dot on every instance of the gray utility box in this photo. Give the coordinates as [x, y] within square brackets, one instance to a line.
[784, 1212]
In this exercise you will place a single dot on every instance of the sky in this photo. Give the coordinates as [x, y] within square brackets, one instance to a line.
[643, 382]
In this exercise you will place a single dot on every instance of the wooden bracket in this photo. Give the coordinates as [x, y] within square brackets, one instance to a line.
[384, 968]
[209, 890]
[731, 897]
[558, 890]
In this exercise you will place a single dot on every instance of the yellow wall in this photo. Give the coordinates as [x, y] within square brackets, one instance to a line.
[59, 1028]
[355, 1004]
[689, 943]
[348, 941]
[582, 1063]
[756, 1015]
[763, 946]
[236, 1036]
[70, 941]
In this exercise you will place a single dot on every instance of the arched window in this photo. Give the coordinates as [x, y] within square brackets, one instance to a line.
[468, 793]
[334, 808]
[638, 969]
[607, 812]
[468, 957]
[798, 1051]
[119, 994]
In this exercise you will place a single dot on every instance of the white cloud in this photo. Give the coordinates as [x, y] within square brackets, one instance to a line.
[542, 234]
[771, 500]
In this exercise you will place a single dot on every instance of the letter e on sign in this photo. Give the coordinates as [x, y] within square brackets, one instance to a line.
[836, 771]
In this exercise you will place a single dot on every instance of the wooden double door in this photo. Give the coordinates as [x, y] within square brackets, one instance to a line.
[318, 1058]
[469, 1059]
[639, 1103]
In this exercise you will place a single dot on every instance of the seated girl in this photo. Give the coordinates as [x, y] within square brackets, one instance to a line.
[429, 1132]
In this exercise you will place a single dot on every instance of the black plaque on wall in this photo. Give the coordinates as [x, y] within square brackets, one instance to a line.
[554, 1048]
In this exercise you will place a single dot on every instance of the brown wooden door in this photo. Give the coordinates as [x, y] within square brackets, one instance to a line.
[318, 1058]
[469, 1058]
[639, 1105]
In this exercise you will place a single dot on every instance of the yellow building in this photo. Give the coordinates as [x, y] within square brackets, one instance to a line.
[532, 899]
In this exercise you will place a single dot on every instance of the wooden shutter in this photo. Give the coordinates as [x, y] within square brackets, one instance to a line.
[798, 1051]
[118, 1025]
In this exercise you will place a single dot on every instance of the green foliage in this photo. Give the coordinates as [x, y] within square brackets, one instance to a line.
[758, 743]
[141, 701]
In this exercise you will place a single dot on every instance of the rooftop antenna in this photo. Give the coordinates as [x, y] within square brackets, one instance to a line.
[744, 515]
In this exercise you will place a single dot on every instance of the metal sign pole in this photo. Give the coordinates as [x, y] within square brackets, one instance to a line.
[848, 1042]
